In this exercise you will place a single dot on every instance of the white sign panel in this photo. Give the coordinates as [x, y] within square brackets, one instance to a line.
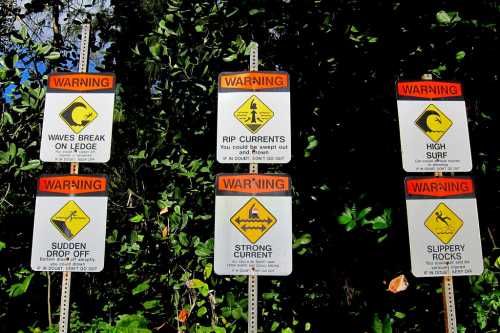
[70, 224]
[78, 118]
[253, 225]
[253, 117]
[433, 127]
[443, 227]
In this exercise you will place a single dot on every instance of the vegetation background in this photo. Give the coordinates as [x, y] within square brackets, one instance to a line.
[350, 234]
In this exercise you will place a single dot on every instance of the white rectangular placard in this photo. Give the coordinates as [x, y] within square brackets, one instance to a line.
[253, 118]
[253, 225]
[443, 227]
[433, 127]
[78, 118]
[70, 224]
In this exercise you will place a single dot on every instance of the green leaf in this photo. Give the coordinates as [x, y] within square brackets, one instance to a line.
[274, 326]
[460, 55]
[399, 315]
[201, 311]
[351, 225]
[45, 49]
[132, 323]
[24, 32]
[302, 240]
[230, 58]
[195, 283]
[137, 218]
[497, 263]
[54, 55]
[2, 246]
[207, 271]
[141, 288]
[32, 164]
[344, 218]
[387, 325]
[16, 40]
[364, 212]
[155, 50]
[7, 118]
[377, 325]
[183, 239]
[313, 142]
[256, 11]
[443, 17]
[18, 289]
[199, 28]
[236, 313]
[307, 327]
[203, 251]
[148, 305]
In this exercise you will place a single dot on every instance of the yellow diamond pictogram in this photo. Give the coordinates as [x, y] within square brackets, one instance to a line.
[434, 123]
[253, 114]
[78, 114]
[443, 223]
[70, 220]
[253, 220]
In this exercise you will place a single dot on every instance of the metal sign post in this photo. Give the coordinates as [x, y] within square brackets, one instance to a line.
[252, 279]
[66, 281]
[450, 318]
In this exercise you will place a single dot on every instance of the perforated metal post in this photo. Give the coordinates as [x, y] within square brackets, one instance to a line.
[252, 279]
[450, 318]
[73, 169]
[449, 305]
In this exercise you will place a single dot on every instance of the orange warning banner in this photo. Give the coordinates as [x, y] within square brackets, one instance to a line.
[253, 184]
[81, 82]
[439, 187]
[254, 81]
[429, 89]
[72, 185]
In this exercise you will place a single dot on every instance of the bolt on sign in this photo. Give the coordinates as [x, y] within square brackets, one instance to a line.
[253, 224]
[433, 127]
[70, 223]
[443, 226]
[78, 118]
[253, 117]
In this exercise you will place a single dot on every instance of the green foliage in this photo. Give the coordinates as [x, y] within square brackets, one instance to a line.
[351, 219]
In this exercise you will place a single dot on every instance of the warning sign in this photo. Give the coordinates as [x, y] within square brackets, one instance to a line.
[78, 118]
[443, 226]
[78, 115]
[253, 117]
[433, 127]
[253, 220]
[253, 225]
[70, 220]
[253, 114]
[434, 123]
[443, 223]
[70, 223]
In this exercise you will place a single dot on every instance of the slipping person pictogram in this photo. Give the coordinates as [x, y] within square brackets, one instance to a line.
[443, 223]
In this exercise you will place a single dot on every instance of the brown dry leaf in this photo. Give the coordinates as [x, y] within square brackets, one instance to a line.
[164, 211]
[398, 284]
[164, 232]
